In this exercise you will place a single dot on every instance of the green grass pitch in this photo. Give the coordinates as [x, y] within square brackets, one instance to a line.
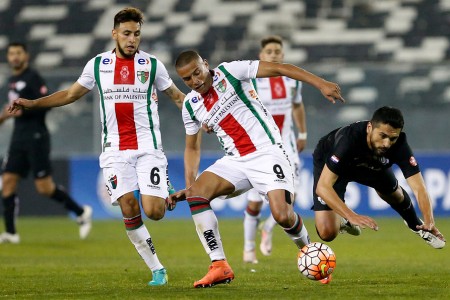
[51, 263]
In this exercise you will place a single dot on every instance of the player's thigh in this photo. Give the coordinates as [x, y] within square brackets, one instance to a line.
[383, 181]
[212, 184]
[339, 187]
[270, 170]
[16, 161]
[151, 170]
[39, 157]
[119, 176]
[327, 222]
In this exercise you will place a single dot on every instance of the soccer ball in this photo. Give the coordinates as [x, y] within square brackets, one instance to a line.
[316, 261]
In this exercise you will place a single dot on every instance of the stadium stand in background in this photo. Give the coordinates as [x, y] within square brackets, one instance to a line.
[385, 52]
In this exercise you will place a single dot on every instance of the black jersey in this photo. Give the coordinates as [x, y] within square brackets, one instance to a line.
[28, 85]
[345, 149]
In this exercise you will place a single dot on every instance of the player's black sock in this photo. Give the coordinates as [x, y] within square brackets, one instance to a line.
[9, 213]
[61, 196]
[407, 211]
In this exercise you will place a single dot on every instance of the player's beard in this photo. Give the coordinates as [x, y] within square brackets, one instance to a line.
[17, 65]
[123, 52]
[378, 151]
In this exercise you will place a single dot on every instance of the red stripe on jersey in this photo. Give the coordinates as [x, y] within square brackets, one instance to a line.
[126, 126]
[277, 88]
[279, 120]
[210, 98]
[241, 139]
[124, 71]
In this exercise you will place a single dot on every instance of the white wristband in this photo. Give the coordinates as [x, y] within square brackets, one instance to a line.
[302, 135]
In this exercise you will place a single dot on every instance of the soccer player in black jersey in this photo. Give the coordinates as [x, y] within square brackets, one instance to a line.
[364, 152]
[30, 148]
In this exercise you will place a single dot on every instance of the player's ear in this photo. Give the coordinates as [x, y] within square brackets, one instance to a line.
[369, 127]
[114, 34]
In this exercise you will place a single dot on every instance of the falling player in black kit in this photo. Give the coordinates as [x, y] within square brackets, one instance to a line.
[30, 148]
[364, 152]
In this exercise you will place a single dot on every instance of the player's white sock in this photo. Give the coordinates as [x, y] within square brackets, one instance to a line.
[207, 227]
[269, 224]
[298, 233]
[140, 237]
[250, 224]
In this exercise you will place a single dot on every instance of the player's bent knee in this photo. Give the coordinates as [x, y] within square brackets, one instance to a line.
[326, 235]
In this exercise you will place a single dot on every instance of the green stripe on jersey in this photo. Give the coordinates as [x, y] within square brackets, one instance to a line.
[98, 59]
[254, 84]
[238, 88]
[190, 110]
[149, 99]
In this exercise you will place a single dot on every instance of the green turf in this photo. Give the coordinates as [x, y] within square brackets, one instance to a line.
[51, 263]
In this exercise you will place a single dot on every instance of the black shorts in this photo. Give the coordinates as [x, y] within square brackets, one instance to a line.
[383, 181]
[33, 154]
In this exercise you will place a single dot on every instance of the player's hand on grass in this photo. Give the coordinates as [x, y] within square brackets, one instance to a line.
[363, 222]
[431, 228]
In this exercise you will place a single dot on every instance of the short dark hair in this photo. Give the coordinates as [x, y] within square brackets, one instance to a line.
[128, 14]
[388, 115]
[271, 39]
[186, 57]
[18, 44]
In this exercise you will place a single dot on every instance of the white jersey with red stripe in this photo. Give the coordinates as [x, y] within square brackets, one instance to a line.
[278, 94]
[232, 109]
[128, 99]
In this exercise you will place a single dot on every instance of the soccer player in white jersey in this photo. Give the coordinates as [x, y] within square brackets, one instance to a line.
[282, 97]
[132, 157]
[225, 101]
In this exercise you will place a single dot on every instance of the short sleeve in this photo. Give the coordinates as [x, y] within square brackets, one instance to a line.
[339, 155]
[191, 124]
[242, 69]
[297, 99]
[162, 78]
[87, 78]
[403, 156]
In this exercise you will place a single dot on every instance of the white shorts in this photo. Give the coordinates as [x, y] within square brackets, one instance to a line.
[130, 170]
[255, 196]
[265, 170]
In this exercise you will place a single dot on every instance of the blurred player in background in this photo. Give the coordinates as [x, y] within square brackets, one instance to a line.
[30, 148]
[364, 152]
[224, 100]
[132, 157]
[282, 97]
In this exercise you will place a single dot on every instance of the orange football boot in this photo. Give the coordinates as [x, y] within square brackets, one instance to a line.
[219, 272]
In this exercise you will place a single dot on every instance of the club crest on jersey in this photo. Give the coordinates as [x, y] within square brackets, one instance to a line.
[142, 76]
[412, 161]
[113, 181]
[222, 86]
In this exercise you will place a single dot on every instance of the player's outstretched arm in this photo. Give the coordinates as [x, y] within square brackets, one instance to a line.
[417, 185]
[329, 90]
[176, 95]
[326, 191]
[60, 98]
